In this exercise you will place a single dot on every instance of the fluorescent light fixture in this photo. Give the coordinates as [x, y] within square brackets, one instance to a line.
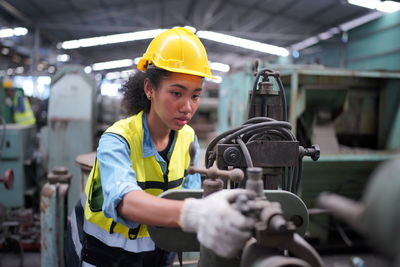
[244, 43]
[5, 51]
[389, 6]
[305, 43]
[4, 33]
[383, 6]
[126, 73]
[20, 31]
[371, 4]
[119, 74]
[219, 66]
[112, 64]
[51, 69]
[136, 60]
[111, 39]
[19, 70]
[63, 58]
[192, 29]
[332, 31]
[113, 75]
[10, 32]
[87, 69]
[218, 79]
[360, 21]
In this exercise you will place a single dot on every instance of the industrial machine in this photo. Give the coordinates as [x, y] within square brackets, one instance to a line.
[19, 182]
[71, 122]
[375, 216]
[354, 117]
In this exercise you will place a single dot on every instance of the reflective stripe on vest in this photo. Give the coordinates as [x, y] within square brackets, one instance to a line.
[150, 178]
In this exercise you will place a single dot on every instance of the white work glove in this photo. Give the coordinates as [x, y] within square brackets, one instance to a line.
[219, 226]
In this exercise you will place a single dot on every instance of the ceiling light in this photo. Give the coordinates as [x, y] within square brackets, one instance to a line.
[112, 64]
[218, 79]
[383, 6]
[219, 66]
[113, 75]
[4, 33]
[63, 58]
[372, 4]
[10, 32]
[360, 21]
[51, 69]
[19, 70]
[136, 60]
[244, 43]
[20, 31]
[5, 51]
[305, 43]
[389, 6]
[88, 69]
[332, 31]
[111, 39]
[192, 29]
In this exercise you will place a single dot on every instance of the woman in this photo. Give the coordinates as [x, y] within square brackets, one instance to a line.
[141, 156]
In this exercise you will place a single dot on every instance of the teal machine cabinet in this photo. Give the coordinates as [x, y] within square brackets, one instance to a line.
[17, 143]
[71, 123]
[354, 116]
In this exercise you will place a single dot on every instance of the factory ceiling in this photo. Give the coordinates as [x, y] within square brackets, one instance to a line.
[282, 23]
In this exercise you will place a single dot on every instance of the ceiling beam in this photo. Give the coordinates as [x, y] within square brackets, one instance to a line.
[16, 13]
[267, 20]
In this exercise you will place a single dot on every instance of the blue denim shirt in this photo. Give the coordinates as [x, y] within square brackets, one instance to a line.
[117, 176]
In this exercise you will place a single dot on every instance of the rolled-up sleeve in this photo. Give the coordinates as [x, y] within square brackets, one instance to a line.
[116, 173]
[193, 181]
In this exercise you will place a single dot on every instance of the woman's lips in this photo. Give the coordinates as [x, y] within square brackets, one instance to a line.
[182, 121]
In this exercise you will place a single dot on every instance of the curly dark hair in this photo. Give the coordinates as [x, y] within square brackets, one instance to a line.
[135, 99]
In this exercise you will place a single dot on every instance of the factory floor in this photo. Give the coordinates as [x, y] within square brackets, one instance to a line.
[32, 259]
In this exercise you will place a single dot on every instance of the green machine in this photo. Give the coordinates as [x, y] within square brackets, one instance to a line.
[16, 153]
[71, 123]
[354, 117]
[17, 144]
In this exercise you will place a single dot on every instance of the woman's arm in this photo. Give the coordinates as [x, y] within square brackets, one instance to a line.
[142, 207]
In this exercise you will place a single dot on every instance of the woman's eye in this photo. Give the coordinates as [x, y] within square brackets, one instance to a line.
[176, 93]
[195, 97]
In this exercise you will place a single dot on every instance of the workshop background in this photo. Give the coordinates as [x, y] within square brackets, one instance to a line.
[62, 64]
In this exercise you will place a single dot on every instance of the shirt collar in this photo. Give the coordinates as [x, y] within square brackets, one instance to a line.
[148, 146]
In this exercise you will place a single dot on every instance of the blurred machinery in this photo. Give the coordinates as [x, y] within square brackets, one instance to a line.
[19, 183]
[53, 216]
[375, 215]
[71, 122]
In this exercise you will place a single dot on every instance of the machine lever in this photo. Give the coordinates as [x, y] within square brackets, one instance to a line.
[7, 179]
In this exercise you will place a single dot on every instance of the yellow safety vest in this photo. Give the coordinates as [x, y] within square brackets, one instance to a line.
[26, 117]
[149, 176]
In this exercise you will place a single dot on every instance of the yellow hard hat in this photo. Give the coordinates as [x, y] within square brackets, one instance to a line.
[7, 84]
[177, 50]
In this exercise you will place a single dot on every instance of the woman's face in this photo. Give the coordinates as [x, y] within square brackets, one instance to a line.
[176, 100]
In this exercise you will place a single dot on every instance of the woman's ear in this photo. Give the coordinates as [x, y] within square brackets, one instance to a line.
[148, 88]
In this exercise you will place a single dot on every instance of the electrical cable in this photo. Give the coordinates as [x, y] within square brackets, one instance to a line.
[249, 161]
[259, 129]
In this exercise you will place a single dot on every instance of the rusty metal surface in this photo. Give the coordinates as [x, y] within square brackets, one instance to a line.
[86, 161]
[53, 216]
[264, 154]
